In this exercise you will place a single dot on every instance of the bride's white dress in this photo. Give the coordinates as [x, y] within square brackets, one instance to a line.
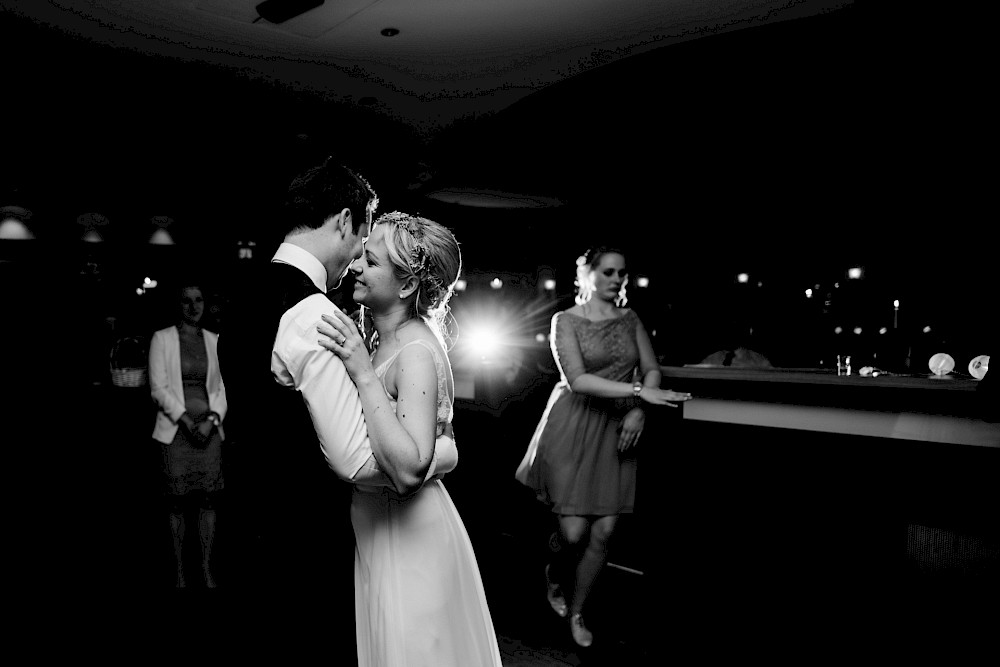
[419, 595]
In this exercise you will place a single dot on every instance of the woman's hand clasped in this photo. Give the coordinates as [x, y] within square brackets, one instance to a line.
[203, 431]
[655, 396]
[340, 335]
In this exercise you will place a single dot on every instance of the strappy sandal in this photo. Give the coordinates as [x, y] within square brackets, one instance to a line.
[554, 595]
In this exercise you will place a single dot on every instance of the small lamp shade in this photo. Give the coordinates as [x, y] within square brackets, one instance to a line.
[14, 224]
[161, 233]
[91, 225]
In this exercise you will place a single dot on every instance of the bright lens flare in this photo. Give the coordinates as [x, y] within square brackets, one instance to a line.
[483, 340]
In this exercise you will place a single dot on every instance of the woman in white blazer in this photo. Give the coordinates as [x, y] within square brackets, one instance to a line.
[187, 387]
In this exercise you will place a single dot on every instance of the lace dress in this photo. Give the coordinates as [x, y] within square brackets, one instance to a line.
[189, 466]
[419, 596]
[572, 462]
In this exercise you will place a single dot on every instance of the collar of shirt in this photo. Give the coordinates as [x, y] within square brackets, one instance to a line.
[304, 261]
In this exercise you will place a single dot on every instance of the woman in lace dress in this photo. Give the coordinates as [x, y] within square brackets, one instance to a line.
[581, 460]
[186, 385]
[419, 595]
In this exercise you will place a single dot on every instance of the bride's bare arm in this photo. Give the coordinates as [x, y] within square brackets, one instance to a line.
[402, 441]
[414, 377]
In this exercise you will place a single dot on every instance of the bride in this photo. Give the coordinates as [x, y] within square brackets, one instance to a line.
[419, 596]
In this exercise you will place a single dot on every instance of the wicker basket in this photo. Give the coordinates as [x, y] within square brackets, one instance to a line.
[128, 363]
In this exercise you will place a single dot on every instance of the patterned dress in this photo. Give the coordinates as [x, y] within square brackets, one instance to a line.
[572, 462]
[419, 596]
[188, 466]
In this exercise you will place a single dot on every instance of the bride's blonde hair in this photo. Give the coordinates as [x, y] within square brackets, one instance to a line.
[428, 251]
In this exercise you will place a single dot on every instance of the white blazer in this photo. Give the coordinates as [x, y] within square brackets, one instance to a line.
[167, 388]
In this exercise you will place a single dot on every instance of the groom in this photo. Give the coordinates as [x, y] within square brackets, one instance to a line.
[295, 423]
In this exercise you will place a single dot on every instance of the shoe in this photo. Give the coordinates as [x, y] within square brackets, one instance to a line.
[555, 596]
[581, 635]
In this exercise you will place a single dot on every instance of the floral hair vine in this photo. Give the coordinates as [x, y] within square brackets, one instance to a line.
[420, 265]
[419, 260]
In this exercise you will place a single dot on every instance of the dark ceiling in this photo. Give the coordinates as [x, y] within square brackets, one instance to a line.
[761, 121]
[782, 149]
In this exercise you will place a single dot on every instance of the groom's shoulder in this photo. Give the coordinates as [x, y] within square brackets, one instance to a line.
[308, 307]
[270, 290]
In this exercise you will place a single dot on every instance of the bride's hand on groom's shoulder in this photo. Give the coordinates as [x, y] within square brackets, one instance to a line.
[340, 335]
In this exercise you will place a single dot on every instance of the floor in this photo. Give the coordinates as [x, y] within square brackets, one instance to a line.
[695, 581]
[694, 600]
[138, 576]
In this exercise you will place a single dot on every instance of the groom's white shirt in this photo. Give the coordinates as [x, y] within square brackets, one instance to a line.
[299, 361]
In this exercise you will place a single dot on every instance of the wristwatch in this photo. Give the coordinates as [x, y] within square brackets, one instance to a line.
[636, 388]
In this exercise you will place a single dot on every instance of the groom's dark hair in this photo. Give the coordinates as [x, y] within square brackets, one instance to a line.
[323, 191]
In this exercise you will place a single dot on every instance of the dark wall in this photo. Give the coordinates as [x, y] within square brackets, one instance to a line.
[131, 135]
[790, 151]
